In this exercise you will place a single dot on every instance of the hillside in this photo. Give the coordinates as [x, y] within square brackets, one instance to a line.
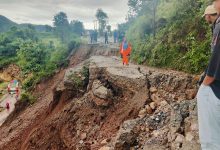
[6, 24]
[179, 38]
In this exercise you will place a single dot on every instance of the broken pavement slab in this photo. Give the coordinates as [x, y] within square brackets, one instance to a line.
[130, 93]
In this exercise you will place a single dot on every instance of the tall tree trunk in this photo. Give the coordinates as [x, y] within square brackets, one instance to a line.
[154, 17]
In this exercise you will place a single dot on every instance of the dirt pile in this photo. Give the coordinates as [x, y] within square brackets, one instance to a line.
[101, 104]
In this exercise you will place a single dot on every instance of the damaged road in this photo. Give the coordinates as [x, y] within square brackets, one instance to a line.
[101, 104]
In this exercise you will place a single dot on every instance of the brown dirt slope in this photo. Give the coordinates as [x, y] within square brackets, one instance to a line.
[99, 102]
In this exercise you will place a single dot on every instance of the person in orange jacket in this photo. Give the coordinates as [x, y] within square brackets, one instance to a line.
[125, 51]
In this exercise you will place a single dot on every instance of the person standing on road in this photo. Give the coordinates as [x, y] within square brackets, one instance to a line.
[125, 51]
[91, 37]
[208, 96]
[95, 36]
[106, 37]
[115, 36]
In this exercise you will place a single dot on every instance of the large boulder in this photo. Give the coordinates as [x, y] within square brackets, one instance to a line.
[100, 91]
[126, 136]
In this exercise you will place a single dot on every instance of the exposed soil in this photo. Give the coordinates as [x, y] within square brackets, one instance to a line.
[87, 111]
[16, 131]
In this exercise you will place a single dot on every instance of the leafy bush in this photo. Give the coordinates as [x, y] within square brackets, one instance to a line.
[182, 42]
[32, 56]
[29, 83]
[80, 79]
[73, 45]
[4, 61]
[27, 97]
[39, 55]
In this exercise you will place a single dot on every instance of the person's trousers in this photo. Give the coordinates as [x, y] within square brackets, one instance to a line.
[125, 59]
[209, 118]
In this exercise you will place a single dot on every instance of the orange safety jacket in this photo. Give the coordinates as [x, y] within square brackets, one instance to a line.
[125, 52]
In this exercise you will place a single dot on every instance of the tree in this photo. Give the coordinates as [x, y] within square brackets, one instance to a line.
[102, 19]
[134, 8]
[122, 28]
[31, 56]
[31, 27]
[60, 20]
[48, 28]
[11, 40]
[14, 29]
[77, 27]
[61, 25]
[140, 7]
[155, 4]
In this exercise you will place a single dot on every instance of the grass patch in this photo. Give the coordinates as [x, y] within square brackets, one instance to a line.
[3, 85]
[27, 97]
[3, 88]
[47, 38]
[80, 79]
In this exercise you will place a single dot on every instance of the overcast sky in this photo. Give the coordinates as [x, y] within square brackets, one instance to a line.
[42, 11]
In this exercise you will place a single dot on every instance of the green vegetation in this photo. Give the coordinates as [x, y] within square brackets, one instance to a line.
[169, 33]
[77, 81]
[3, 86]
[27, 97]
[102, 20]
[80, 79]
[77, 27]
[48, 38]
[64, 29]
[39, 54]
[37, 57]
[5, 24]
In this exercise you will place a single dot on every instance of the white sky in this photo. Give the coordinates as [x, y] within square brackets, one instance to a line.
[42, 11]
